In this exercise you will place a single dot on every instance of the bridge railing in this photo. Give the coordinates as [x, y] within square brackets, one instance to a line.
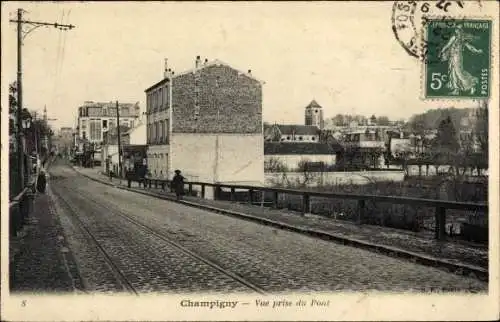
[440, 206]
[19, 209]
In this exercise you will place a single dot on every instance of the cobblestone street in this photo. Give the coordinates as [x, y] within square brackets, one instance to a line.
[124, 241]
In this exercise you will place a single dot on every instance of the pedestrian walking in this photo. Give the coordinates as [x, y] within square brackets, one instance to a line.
[129, 173]
[178, 184]
[41, 181]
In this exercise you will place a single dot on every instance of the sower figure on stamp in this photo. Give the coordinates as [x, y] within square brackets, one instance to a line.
[178, 184]
[459, 78]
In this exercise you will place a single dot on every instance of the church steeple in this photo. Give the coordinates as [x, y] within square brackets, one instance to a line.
[314, 114]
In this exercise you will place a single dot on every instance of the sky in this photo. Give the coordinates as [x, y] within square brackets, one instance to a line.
[342, 54]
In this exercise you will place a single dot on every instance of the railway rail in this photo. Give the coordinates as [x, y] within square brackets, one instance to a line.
[120, 276]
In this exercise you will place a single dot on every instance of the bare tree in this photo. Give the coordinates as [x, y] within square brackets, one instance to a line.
[274, 164]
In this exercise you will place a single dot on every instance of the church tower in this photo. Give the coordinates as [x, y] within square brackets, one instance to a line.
[314, 115]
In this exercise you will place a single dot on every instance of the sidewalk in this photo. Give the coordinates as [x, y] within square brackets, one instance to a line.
[39, 259]
[456, 256]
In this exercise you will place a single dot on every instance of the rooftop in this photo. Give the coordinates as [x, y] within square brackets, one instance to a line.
[215, 62]
[298, 129]
[299, 148]
[313, 104]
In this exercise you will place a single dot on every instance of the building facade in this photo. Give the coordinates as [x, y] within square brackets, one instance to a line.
[96, 118]
[206, 122]
[63, 141]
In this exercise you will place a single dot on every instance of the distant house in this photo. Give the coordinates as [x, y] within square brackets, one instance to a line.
[290, 155]
[292, 133]
[137, 135]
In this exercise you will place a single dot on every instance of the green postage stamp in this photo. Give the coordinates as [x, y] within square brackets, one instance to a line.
[457, 58]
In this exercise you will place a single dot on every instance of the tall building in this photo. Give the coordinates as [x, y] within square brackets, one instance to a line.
[96, 118]
[206, 122]
[314, 115]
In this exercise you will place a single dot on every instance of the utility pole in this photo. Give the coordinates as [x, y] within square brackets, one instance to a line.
[119, 140]
[20, 148]
[36, 24]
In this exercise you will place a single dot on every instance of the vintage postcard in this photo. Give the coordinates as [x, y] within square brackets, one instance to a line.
[214, 161]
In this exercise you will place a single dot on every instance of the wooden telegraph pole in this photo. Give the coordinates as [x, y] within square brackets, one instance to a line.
[35, 24]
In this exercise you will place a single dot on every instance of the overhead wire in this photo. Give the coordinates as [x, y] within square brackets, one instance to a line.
[57, 67]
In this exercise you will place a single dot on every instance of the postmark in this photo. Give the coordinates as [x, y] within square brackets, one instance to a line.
[408, 18]
[458, 58]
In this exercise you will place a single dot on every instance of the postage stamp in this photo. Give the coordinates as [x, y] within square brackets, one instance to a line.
[452, 39]
[457, 58]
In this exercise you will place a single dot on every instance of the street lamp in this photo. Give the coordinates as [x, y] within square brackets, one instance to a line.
[26, 122]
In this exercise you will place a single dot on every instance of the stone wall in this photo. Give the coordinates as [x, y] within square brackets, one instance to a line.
[237, 98]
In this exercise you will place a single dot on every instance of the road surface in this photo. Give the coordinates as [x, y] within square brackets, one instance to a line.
[128, 242]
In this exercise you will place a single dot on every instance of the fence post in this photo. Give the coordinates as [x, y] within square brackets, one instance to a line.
[150, 183]
[306, 203]
[361, 211]
[250, 196]
[216, 192]
[156, 184]
[275, 199]
[202, 191]
[233, 197]
[440, 224]
[190, 188]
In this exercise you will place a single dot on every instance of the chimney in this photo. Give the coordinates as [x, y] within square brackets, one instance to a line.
[206, 61]
[250, 72]
[166, 69]
[198, 61]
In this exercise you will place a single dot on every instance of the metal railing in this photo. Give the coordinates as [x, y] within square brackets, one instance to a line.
[440, 206]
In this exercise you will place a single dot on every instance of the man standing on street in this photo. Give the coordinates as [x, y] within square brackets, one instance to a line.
[178, 184]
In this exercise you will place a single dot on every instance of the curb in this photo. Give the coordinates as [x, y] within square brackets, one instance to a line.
[427, 260]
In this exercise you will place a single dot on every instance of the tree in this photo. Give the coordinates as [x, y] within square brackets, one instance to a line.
[12, 107]
[480, 132]
[383, 120]
[274, 164]
[338, 120]
[446, 137]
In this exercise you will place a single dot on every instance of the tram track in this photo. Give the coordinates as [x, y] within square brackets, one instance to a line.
[157, 234]
[117, 273]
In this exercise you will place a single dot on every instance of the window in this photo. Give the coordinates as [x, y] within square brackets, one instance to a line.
[95, 130]
[84, 124]
[162, 130]
[165, 96]
[104, 123]
[300, 138]
[84, 135]
[131, 124]
[313, 138]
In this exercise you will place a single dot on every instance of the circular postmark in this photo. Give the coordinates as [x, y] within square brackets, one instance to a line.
[409, 19]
